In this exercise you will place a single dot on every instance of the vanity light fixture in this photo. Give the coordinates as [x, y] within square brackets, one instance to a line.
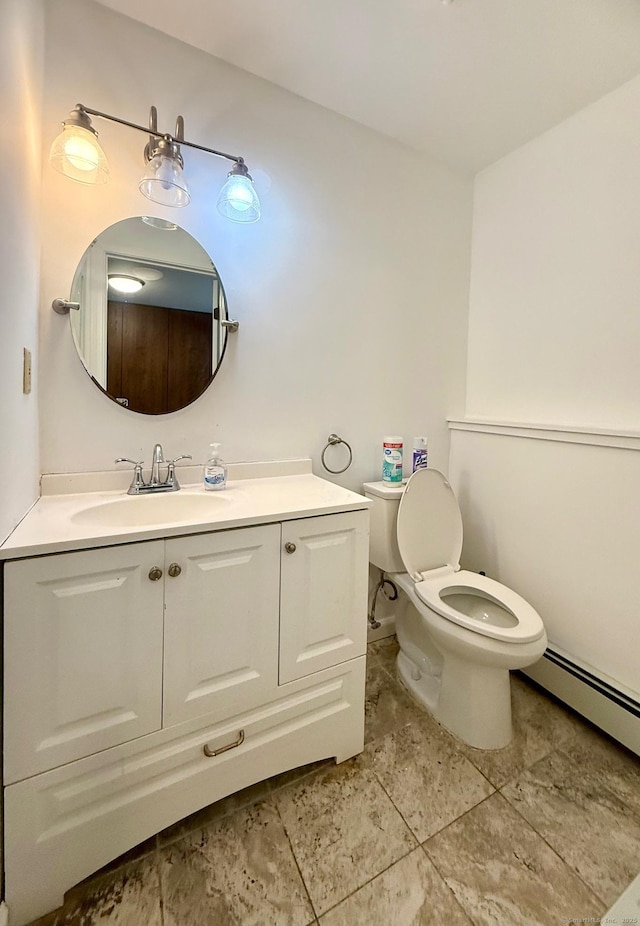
[77, 154]
[123, 283]
[164, 181]
[238, 196]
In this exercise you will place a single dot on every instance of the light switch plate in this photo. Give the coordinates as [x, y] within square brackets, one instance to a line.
[26, 371]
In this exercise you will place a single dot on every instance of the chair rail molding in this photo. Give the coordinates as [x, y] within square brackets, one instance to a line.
[567, 434]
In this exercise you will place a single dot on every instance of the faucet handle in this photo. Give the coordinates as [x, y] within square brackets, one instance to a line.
[185, 456]
[137, 482]
[171, 479]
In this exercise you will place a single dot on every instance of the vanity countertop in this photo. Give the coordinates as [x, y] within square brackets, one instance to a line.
[73, 521]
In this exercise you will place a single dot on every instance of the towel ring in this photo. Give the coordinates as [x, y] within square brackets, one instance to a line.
[332, 440]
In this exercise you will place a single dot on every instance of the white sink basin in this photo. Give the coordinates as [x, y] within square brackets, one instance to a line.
[138, 510]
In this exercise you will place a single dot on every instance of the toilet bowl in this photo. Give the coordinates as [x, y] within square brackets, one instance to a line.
[460, 633]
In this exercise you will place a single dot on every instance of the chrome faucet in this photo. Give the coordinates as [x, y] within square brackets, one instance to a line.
[158, 458]
[156, 484]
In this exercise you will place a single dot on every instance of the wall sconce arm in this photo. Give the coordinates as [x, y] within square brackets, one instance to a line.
[62, 306]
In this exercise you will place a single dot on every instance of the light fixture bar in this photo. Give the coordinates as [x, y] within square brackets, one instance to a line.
[149, 131]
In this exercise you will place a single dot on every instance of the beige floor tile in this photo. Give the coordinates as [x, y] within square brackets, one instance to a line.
[587, 824]
[426, 776]
[239, 871]
[618, 768]
[387, 705]
[128, 897]
[409, 893]
[383, 652]
[344, 830]
[504, 874]
[539, 726]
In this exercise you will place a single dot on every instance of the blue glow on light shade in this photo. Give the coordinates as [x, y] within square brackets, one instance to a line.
[238, 200]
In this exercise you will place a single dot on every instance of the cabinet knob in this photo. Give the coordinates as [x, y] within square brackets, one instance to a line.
[155, 573]
[290, 547]
[174, 570]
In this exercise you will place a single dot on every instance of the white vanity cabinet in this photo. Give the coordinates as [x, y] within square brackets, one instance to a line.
[148, 679]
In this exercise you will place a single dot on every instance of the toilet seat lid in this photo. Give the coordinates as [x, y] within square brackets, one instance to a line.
[429, 524]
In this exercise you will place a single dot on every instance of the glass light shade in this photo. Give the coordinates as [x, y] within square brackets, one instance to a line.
[125, 284]
[156, 222]
[238, 199]
[77, 154]
[164, 182]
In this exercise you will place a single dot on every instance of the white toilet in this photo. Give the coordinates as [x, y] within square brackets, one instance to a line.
[459, 632]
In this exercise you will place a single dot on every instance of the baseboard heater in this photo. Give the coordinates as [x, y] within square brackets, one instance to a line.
[600, 699]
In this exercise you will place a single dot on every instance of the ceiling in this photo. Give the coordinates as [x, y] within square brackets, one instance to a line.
[466, 81]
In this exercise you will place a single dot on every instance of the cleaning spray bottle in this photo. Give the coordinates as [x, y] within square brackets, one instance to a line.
[419, 453]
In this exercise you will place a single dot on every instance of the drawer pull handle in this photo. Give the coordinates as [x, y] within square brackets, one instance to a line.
[210, 753]
[290, 547]
[174, 570]
[155, 573]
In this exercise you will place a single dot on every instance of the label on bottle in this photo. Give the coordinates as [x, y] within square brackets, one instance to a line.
[392, 461]
[215, 479]
[420, 459]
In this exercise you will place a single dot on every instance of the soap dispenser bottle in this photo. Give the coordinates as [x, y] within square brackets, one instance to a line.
[215, 471]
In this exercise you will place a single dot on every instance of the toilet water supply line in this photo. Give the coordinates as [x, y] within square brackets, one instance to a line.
[391, 596]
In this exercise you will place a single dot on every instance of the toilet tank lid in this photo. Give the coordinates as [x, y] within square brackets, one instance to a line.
[385, 489]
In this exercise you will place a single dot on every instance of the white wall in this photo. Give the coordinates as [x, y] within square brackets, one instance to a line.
[351, 292]
[554, 326]
[554, 339]
[21, 51]
[560, 523]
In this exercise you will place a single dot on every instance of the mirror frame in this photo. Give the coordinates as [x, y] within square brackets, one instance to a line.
[91, 276]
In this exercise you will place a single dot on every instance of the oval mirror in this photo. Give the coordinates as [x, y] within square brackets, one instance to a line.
[150, 329]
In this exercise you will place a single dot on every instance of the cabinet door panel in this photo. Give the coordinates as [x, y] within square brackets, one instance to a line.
[221, 622]
[83, 654]
[323, 619]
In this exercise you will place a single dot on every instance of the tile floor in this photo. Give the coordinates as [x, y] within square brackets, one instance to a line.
[419, 830]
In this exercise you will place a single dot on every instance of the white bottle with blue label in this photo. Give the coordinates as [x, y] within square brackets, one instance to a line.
[215, 470]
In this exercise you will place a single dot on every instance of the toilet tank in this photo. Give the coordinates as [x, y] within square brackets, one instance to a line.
[383, 544]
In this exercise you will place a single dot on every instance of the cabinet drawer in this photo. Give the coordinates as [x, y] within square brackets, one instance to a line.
[83, 655]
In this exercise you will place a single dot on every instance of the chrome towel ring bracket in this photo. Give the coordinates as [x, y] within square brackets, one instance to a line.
[332, 440]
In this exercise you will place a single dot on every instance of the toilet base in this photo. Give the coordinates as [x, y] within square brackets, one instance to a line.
[424, 687]
[472, 701]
